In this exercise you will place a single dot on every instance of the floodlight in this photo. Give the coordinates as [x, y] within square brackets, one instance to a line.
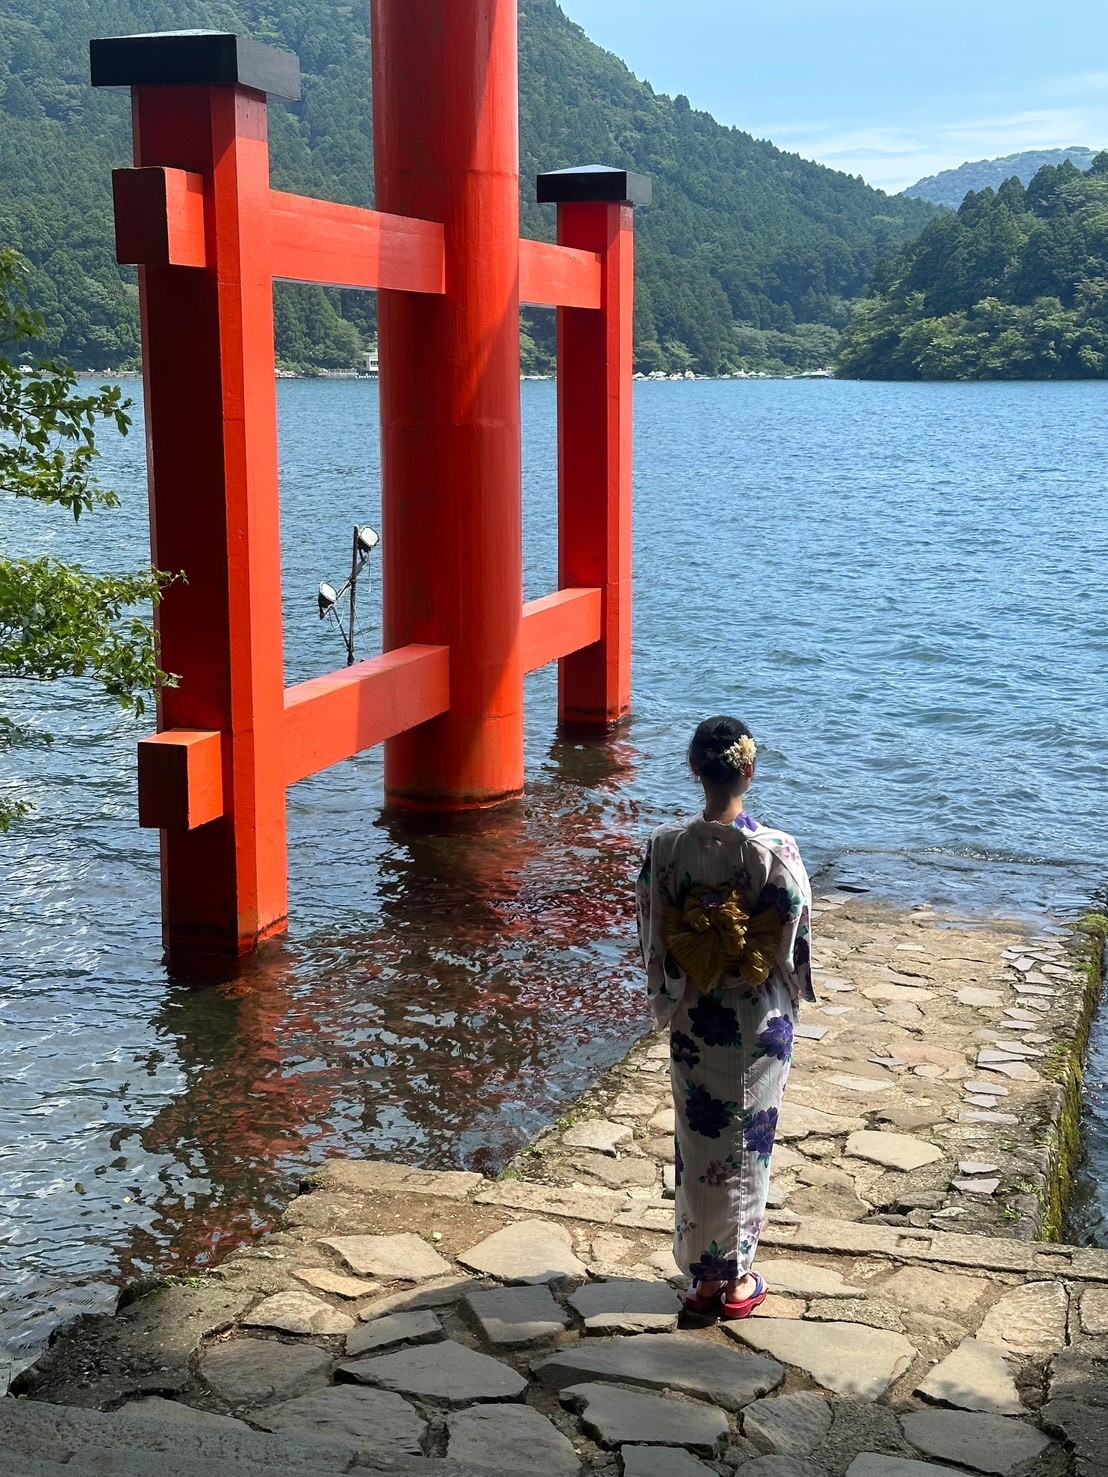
[328, 595]
[367, 538]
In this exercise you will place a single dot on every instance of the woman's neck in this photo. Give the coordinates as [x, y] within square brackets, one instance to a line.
[724, 808]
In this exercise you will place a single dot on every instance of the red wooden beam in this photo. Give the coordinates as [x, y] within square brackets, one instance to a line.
[559, 624]
[595, 352]
[334, 717]
[341, 246]
[180, 779]
[159, 217]
[559, 276]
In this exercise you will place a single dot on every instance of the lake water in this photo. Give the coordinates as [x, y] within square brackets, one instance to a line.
[899, 587]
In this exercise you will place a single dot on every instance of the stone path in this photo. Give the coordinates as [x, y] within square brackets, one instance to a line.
[436, 1323]
[934, 1084]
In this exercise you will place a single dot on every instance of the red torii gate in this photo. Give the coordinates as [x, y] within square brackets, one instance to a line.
[198, 216]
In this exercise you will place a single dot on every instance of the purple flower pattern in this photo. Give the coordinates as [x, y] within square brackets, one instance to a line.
[715, 1265]
[777, 1039]
[759, 1133]
[718, 1171]
[684, 1049]
[715, 1023]
[707, 1115]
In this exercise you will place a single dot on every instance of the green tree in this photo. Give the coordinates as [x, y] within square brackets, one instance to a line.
[57, 619]
[1014, 285]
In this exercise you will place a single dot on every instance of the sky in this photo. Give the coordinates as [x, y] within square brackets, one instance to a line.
[889, 89]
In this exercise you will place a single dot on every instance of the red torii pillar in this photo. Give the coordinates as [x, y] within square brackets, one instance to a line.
[210, 235]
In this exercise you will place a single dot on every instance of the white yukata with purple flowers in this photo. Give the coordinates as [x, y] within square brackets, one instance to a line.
[730, 1047]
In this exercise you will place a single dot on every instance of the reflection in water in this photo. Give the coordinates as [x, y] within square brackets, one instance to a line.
[493, 981]
[833, 560]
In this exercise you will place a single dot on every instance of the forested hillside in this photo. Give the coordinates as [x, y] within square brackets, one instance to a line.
[744, 243]
[951, 186]
[1014, 285]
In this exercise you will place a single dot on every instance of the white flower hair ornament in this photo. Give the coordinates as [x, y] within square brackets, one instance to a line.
[741, 754]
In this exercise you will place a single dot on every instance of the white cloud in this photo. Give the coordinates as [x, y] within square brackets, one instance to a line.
[895, 156]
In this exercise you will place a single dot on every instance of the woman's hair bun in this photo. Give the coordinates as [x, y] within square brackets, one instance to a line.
[722, 750]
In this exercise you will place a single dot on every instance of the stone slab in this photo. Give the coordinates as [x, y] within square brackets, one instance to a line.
[792, 1425]
[612, 1416]
[440, 1292]
[346, 1412]
[1094, 1310]
[517, 1317]
[975, 1376]
[42, 1440]
[923, 1290]
[626, 1306]
[876, 1464]
[442, 1374]
[899, 994]
[782, 1466]
[976, 996]
[1082, 1424]
[633, 1105]
[975, 1186]
[405, 1257]
[806, 1279]
[865, 1310]
[145, 1349]
[664, 1121]
[1029, 1319]
[156, 1407]
[598, 1135]
[297, 1312]
[511, 1439]
[662, 1461]
[247, 1372]
[324, 1280]
[894, 1150]
[1018, 1071]
[599, 1206]
[677, 1362]
[864, 1085]
[810, 1033]
[617, 1173]
[393, 1332]
[847, 1358]
[798, 1121]
[376, 1177]
[527, 1252]
[987, 1443]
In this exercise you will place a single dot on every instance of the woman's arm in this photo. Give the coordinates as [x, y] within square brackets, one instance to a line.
[795, 958]
[662, 993]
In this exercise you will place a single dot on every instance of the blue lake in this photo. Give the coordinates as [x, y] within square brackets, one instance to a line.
[899, 587]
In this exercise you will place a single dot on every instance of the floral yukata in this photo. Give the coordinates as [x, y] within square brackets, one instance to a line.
[730, 1044]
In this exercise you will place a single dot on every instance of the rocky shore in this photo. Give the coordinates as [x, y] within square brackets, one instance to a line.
[408, 1321]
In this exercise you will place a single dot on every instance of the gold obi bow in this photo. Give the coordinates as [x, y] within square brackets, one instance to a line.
[713, 934]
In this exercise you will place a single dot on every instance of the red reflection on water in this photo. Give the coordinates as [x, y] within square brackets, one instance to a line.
[493, 981]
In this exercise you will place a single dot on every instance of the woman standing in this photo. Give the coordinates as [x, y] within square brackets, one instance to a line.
[724, 908]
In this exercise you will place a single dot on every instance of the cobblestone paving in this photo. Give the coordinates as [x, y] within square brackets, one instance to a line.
[420, 1322]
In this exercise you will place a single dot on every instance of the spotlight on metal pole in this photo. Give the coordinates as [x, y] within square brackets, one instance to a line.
[366, 540]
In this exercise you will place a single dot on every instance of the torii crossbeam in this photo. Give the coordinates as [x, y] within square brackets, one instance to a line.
[210, 237]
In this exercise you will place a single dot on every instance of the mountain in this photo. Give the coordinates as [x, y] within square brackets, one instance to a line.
[748, 257]
[1013, 285]
[951, 186]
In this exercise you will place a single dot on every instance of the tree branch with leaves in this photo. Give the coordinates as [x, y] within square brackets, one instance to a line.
[57, 619]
